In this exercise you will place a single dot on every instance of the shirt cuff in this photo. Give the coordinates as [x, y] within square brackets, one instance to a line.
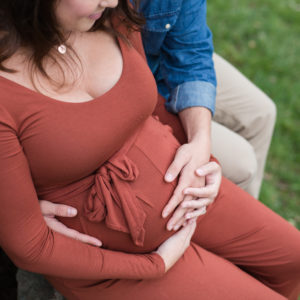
[190, 94]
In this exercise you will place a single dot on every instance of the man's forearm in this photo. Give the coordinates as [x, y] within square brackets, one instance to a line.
[196, 122]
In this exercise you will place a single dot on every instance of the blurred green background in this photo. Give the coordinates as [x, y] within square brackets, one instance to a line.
[262, 39]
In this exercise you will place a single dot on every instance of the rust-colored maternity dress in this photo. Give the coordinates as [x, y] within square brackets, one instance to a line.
[107, 157]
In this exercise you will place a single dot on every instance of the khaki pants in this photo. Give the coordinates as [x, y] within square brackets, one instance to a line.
[242, 127]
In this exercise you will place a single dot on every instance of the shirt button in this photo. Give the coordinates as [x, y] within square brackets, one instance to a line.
[168, 26]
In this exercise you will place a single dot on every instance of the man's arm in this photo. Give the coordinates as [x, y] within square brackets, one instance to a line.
[179, 48]
[184, 71]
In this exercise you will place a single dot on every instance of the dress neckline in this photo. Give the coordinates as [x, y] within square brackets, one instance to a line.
[122, 48]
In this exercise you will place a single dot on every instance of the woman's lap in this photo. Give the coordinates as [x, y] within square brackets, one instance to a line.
[245, 232]
[199, 274]
[236, 231]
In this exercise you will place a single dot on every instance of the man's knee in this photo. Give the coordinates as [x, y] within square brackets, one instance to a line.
[236, 155]
[244, 169]
[266, 109]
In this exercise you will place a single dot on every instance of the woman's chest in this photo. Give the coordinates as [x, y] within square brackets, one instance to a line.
[64, 142]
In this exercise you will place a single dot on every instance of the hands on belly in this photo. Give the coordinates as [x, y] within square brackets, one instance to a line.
[197, 188]
[187, 211]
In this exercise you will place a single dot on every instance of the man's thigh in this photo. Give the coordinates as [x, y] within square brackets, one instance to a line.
[227, 146]
[239, 103]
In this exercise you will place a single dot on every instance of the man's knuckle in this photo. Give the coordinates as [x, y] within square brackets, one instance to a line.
[183, 151]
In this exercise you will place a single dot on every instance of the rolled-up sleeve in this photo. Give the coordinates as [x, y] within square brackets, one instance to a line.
[190, 94]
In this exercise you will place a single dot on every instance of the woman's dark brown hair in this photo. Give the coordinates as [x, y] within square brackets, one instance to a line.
[32, 24]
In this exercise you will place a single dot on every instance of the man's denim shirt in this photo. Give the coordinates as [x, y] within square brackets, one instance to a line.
[179, 48]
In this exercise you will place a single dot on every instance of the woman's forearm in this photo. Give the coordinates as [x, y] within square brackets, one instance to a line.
[67, 258]
[29, 242]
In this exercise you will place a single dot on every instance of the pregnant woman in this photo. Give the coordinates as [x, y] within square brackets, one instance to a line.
[77, 127]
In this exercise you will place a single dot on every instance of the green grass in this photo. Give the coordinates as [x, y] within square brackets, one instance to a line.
[261, 38]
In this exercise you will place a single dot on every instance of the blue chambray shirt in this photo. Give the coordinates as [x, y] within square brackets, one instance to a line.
[179, 48]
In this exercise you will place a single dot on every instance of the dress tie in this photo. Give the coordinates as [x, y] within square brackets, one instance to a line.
[112, 198]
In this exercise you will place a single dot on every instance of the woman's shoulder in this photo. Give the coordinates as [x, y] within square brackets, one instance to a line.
[15, 80]
[10, 86]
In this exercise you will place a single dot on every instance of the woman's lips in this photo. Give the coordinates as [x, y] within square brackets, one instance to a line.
[95, 16]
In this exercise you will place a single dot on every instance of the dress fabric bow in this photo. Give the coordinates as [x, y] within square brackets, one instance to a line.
[112, 198]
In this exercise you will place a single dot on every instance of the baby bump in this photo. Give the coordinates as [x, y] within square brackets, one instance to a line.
[122, 205]
[140, 195]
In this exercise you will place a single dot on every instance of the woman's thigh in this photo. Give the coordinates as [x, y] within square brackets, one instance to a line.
[244, 231]
[199, 274]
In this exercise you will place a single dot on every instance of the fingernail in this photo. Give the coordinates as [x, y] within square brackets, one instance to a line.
[176, 227]
[168, 177]
[203, 210]
[165, 214]
[199, 171]
[170, 227]
[72, 211]
[99, 244]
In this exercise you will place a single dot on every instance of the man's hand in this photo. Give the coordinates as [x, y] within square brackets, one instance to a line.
[195, 199]
[189, 157]
[50, 210]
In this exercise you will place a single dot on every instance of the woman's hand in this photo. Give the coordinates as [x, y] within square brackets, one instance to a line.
[174, 247]
[206, 195]
[50, 210]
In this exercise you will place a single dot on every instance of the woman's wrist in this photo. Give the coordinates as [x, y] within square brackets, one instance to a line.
[159, 262]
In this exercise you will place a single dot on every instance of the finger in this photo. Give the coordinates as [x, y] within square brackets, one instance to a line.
[192, 227]
[175, 200]
[60, 210]
[188, 230]
[59, 227]
[210, 167]
[178, 195]
[180, 223]
[180, 160]
[196, 204]
[186, 179]
[208, 191]
[196, 213]
[178, 214]
[189, 221]
[178, 218]
[84, 238]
